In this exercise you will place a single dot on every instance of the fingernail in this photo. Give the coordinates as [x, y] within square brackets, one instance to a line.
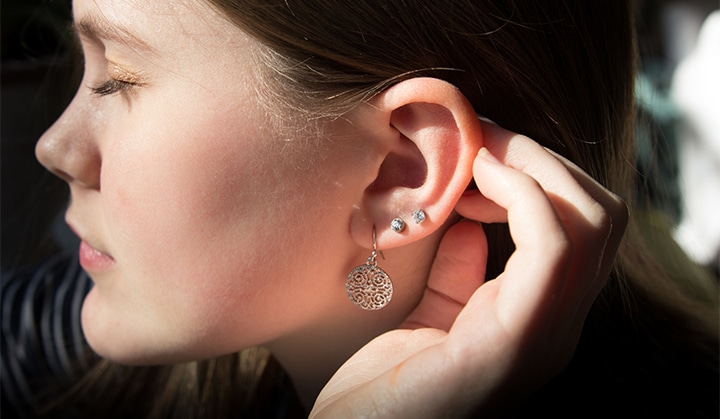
[487, 155]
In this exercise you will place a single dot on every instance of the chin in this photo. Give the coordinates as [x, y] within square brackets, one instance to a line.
[118, 339]
[130, 353]
[133, 350]
[134, 339]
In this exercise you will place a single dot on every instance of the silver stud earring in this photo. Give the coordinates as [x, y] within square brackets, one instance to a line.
[419, 216]
[368, 286]
[397, 225]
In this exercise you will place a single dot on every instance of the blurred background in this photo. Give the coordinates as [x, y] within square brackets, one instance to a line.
[678, 96]
[39, 72]
[678, 93]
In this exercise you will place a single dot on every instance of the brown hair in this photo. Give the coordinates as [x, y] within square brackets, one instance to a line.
[560, 72]
[553, 72]
[539, 69]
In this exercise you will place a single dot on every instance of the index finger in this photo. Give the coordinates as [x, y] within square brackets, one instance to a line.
[534, 277]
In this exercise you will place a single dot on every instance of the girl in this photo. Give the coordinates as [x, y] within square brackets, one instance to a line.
[313, 178]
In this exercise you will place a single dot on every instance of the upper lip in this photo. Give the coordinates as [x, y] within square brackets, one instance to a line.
[83, 237]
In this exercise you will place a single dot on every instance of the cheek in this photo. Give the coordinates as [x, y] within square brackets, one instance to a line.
[185, 205]
[212, 222]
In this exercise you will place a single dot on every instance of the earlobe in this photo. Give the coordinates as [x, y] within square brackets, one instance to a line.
[430, 134]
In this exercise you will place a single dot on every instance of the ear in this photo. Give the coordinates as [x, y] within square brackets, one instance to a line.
[428, 134]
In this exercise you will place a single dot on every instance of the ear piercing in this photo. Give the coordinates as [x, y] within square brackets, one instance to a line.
[398, 225]
[419, 216]
[367, 286]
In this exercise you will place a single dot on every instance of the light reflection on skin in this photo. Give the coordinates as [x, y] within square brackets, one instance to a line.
[211, 220]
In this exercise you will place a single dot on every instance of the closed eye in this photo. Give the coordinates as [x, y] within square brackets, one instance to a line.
[113, 86]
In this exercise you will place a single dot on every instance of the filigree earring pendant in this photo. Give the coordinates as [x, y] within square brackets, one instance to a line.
[368, 286]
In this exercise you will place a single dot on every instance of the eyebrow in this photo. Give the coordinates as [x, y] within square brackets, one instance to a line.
[92, 27]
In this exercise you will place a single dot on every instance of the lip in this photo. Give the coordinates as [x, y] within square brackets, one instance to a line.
[93, 260]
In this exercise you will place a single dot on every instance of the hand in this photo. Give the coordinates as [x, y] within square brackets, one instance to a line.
[474, 345]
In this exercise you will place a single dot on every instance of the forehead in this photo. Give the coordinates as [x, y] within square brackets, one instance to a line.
[155, 23]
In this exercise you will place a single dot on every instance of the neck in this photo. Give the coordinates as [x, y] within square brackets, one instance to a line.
[309, 370]
[311, 358]
[311, 355]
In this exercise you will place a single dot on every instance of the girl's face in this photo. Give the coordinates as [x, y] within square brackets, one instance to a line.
[200, 228]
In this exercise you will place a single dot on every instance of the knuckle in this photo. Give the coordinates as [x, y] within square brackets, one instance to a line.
[610, 216]
[600, 218]
[620, 211]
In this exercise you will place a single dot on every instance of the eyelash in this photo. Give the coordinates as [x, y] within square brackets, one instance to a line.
[113, 86]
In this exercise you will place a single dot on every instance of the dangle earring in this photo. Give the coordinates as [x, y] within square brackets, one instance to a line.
[368, 286]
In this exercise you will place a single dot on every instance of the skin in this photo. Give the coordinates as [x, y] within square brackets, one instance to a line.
[204, 212]
[210, 215]
[206, 216]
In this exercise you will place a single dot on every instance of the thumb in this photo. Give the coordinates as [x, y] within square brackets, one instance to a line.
[458, 270]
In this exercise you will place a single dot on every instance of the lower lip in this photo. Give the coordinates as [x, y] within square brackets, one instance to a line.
[94, 260]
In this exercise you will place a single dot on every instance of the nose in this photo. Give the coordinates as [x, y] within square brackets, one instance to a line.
[69, 148]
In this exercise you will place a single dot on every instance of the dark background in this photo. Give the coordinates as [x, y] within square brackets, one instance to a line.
[40, 69]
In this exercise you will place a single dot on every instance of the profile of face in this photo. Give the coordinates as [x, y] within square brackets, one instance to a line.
[203, 229]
